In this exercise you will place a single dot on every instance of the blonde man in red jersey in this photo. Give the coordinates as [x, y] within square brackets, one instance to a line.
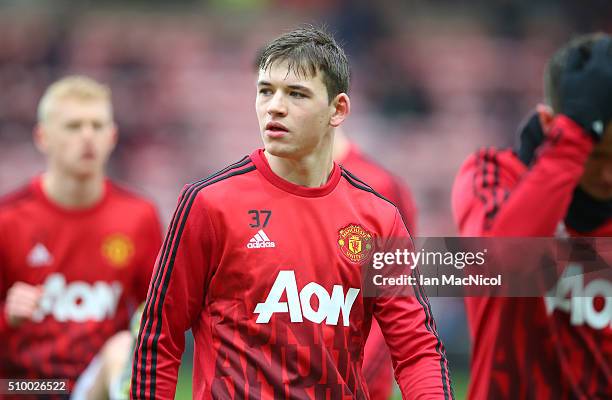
[76, 250]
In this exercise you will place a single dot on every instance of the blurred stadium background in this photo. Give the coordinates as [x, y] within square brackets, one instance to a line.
[432, 81]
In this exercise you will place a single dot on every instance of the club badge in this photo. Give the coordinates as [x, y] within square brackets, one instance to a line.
[355, 243]
[118, 250]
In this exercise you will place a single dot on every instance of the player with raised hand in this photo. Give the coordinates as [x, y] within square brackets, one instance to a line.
[559, 182]
[76, 250]
[263, 260]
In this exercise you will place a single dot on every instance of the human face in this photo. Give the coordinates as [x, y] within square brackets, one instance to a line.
[597, 177]
[78, 136]
[294, 112]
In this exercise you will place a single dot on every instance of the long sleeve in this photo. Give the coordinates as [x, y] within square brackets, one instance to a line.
[175, 298]
[495, 195]
[150, 233]
[406, 321]
[377, 360]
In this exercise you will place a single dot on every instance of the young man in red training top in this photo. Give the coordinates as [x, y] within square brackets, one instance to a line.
[263, 259]
[377, 367]
[76, 251]
[559, 182]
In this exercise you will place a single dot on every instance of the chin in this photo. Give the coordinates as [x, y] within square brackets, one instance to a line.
[84, 172]
[83, 176]
[280, 150]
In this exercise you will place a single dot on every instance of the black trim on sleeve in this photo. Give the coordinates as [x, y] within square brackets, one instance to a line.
[155, 300]
[359, 184]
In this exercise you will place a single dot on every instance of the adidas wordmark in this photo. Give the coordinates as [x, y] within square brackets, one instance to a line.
[260, 240]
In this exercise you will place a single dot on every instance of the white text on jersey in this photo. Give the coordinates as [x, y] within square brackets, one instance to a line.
[78, 301]
[299, 306]
[574, 297]
[260, 240]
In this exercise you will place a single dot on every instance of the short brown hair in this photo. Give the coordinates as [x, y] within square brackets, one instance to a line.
[308, 50]
[558, 63]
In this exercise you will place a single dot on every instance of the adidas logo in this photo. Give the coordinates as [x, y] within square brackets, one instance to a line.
[39, 256]
[260, 240]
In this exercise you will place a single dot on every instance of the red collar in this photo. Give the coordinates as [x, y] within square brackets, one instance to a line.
[77, 212]
[263, 167]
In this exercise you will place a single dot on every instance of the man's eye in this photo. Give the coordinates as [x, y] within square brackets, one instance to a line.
[297, 95]
[265, 91]
[97, 126]
[73, 126]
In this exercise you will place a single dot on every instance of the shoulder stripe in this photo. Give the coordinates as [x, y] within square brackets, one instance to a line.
[353, 180]
[492, 159]
[483, 164]
[486, 184]
[240, 163]
[154, 302]
[496, 170]
[350, 174]
[430, 325]
[475, 187]
[359, 184]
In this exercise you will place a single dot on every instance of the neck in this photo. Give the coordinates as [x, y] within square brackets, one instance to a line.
[341, 145]
[71, 192]
[311, 170]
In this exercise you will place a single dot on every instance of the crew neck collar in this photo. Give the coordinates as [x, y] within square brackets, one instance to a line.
[77, 212]
[261, 162]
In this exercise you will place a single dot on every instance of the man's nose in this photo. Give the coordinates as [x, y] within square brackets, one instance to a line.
[87, 131]
[277, 105]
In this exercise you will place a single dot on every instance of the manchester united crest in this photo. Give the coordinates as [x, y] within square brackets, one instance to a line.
[355, 243]
[118, 250]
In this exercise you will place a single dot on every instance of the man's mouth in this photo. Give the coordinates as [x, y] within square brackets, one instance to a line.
[276, 129]
[88, 155]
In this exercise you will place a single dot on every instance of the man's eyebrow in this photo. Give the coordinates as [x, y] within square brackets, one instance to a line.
[300, 87]
[293, 87]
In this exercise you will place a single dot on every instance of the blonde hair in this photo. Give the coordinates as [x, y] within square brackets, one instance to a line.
[77, 87]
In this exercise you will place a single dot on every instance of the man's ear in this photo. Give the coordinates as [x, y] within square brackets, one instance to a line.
[341, 105]
[40, 138]
[545, 115]
[115, 136]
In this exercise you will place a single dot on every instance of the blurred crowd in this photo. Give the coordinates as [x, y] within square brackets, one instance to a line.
[428, 87]
[432, 82]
